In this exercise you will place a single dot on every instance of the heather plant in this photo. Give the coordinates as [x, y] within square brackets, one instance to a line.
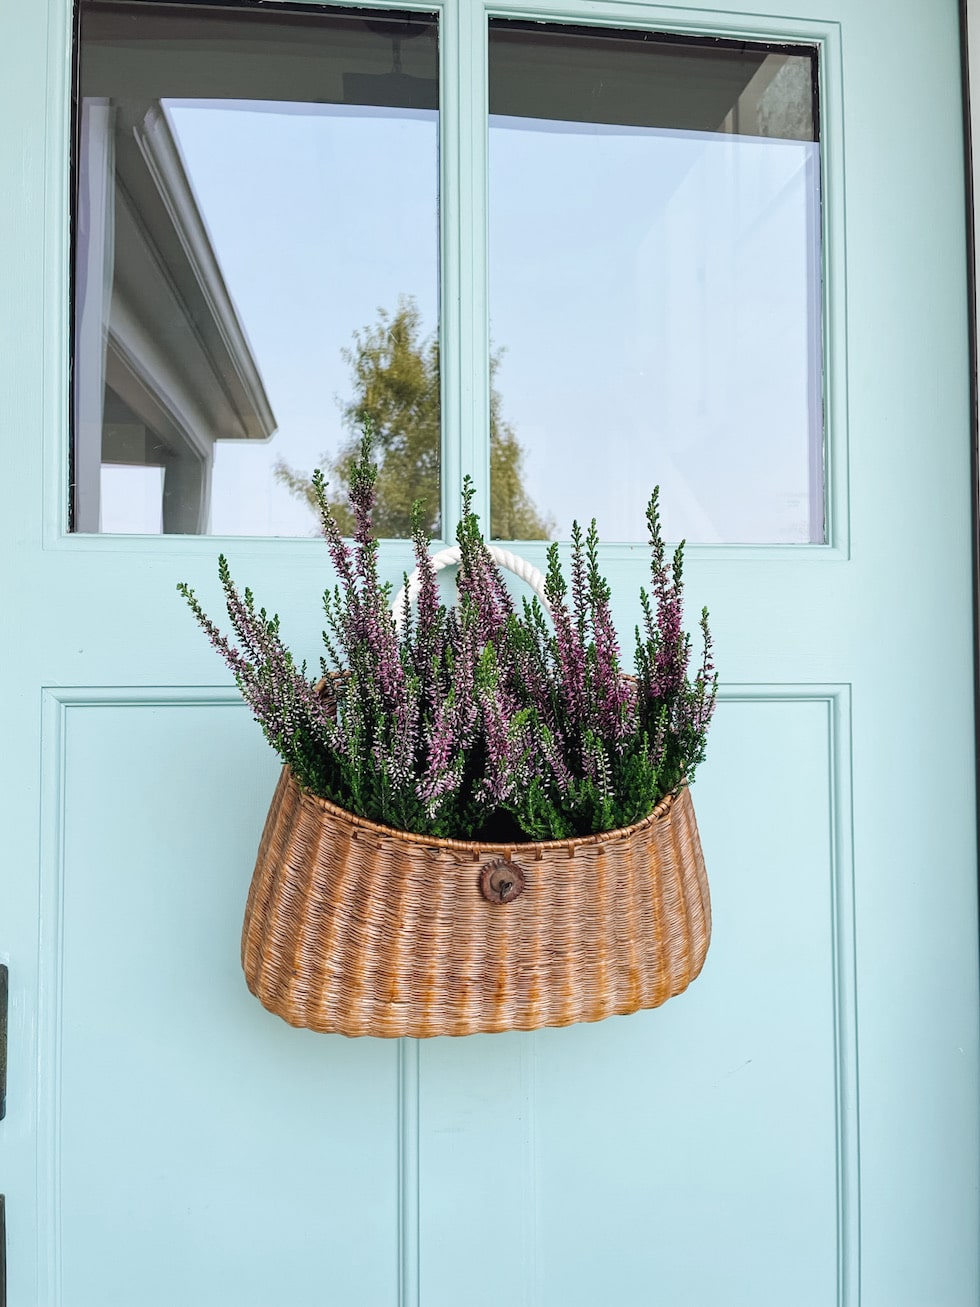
[478, 720]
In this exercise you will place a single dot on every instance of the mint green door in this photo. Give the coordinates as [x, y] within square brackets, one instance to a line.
[800, 1127]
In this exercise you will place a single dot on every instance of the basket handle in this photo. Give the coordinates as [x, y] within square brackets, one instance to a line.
[450, 556]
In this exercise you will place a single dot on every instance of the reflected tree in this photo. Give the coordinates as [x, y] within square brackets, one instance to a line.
[395, 371]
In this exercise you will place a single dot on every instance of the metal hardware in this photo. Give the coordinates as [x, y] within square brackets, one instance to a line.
[4, 976]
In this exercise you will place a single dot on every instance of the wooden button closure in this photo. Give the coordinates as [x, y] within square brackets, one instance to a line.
[501, 881]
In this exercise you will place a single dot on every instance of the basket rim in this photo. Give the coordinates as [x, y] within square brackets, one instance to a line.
[476, 848]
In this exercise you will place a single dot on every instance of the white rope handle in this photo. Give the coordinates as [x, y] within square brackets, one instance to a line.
[450, 556]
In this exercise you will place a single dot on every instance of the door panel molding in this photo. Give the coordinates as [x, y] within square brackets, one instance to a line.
[100, 892]
[504, 1120]
[409, 1230]
[837, 699]
[57, 703]
[58, 706]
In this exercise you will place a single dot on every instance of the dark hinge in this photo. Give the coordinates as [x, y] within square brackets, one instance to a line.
[3, 1045]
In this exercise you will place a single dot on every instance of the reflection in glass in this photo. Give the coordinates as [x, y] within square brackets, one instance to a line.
[655, 280]
[250, 187]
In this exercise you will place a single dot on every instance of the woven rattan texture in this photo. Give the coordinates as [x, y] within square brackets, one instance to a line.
[356, 928]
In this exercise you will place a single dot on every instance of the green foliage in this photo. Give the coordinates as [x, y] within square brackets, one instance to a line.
[395, 374]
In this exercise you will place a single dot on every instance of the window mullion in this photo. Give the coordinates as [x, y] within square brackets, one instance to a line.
[465, 326]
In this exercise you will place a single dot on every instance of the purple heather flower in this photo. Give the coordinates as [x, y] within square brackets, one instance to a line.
[460, 714]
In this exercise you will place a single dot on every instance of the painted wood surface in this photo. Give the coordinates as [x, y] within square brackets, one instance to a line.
[801, 1126]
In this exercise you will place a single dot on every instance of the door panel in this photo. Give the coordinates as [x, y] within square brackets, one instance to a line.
[800, 1127]
[185, 1109]
[695, 1148]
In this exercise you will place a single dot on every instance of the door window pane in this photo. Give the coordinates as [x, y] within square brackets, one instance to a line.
[256, 264]
[655, 280]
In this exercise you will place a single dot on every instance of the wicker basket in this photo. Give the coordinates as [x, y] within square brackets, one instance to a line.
[357, 928]
[364, 930]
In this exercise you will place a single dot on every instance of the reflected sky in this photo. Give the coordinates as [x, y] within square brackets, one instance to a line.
[652, 292]
[311, 242]
[657, 296]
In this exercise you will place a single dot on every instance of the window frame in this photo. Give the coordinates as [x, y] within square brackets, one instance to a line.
[464, 281]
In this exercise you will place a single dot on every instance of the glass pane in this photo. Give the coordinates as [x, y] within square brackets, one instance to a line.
[256, 264]
[655, 281]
